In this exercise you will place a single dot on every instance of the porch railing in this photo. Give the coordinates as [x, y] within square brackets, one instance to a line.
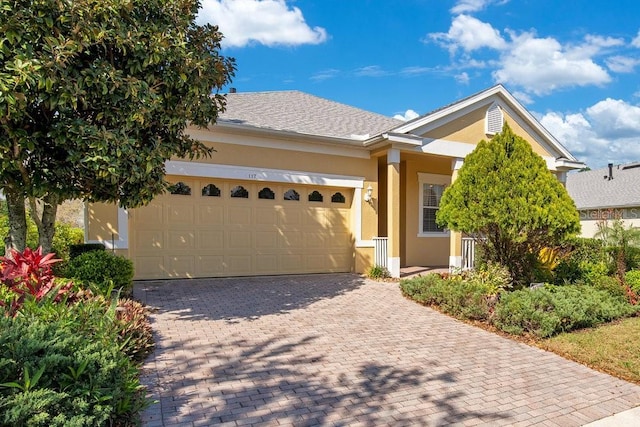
[468, 253]
[380, 253]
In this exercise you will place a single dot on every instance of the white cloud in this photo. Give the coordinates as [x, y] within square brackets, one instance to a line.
[462, 78]
[407, 115]
[607, 131]
[466, 6]
[325, 74]
[523, 97]
[622, 64]
[636, 41]
[542, 65]
[616, 118]
[469, 34]
[268, 22]
[416, 71]
[370, 71]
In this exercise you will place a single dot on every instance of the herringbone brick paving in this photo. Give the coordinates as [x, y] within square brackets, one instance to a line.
[341, 350]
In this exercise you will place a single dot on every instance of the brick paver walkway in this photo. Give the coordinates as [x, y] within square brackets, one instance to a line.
[341, 350]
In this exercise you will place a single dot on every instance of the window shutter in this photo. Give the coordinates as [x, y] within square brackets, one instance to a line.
[494, 120]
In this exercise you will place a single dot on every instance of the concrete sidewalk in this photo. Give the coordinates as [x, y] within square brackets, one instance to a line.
[341, 350]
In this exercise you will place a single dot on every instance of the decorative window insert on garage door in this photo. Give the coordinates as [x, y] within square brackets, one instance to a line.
[197, 235]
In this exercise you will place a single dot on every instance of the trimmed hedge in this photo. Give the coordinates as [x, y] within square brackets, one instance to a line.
[102, 269]
[550, 310]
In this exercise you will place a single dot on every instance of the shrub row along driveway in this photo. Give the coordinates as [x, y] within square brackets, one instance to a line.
[341, 350]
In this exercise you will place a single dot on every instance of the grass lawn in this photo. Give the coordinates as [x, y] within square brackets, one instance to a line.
[613, 348]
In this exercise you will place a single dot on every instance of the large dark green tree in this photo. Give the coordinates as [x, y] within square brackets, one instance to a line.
[95, 96]
[507, 198]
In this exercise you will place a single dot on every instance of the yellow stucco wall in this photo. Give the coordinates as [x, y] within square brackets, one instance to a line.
[423, 251]
[102, 222]
[470, 129]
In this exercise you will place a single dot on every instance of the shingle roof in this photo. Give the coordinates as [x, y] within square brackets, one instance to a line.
[299, 112]
[591, 190]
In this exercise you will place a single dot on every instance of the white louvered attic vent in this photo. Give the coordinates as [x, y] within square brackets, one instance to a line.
[494, 120]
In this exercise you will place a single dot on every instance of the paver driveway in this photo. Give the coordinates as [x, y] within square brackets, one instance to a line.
[342, 350]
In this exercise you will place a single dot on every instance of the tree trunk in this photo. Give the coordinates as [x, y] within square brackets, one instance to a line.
[17, 237]
[47, 223]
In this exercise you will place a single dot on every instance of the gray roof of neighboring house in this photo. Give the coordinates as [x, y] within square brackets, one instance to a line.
[592, 189]
[299, 112]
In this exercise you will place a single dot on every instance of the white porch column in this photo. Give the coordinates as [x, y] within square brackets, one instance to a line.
[393, 211]
[455, 245]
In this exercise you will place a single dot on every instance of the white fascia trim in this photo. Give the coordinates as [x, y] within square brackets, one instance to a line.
[279, 140]
[123, 232]
[567, 165]
[209, 170]
[403, 139]
[443, 147]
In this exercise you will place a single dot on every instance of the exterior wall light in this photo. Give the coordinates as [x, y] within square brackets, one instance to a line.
[368, 195]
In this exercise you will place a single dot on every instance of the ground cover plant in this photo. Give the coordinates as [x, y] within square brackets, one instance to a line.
[68, 356]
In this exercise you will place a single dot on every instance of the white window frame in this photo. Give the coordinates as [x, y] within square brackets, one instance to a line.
[429, 179]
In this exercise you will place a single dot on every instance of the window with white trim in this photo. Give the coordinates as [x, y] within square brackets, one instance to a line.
[431, 195]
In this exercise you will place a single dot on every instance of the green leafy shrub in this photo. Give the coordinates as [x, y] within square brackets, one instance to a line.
[495, 277]
[458, 296]
[79, 249]
[378, 272]
[585, 262]
[632, 278]
[134, 329]
[61, 365]
[546, 311]
[103, 270]
[418, 288]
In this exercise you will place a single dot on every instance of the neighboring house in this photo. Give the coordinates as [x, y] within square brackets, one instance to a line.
[604, 194]
[301, 184]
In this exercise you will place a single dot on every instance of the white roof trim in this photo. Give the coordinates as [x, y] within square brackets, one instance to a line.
[443, 147]
[209, 170]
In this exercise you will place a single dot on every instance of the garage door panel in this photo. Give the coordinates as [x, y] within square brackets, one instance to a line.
[239, 264]
[239, 215]
[290, 216]
[266, 216]
[239, 240]
[179, 240]
[180, 214]
[210, 215]
[149, 267]
[266, 239]
[208, 236]
[290, 240]
[180, 266]
[337, 240]
[210, 265]
[210, 240]
[266, 263]
[314, 217]
[149, 240]
[291, 262]
[152, 213]
[314, 240]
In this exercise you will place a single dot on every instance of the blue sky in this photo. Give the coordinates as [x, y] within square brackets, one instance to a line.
[574, 63]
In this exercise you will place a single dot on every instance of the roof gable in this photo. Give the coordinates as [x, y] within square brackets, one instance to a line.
[302, 113]
[496, 96]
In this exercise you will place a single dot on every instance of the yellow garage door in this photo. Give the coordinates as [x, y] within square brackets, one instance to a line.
[210, 228]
